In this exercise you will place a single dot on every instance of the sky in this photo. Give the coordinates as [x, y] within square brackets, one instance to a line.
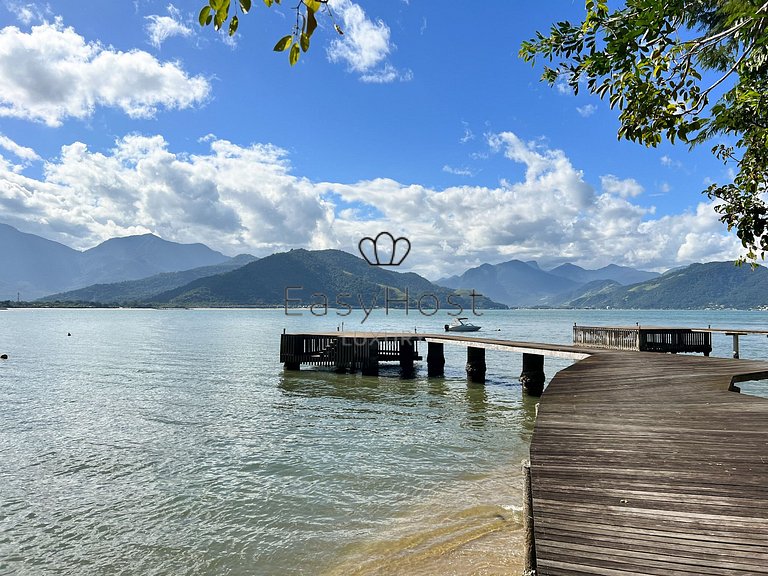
[121, 118]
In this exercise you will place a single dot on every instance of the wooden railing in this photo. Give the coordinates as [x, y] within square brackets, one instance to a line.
[675, 340]
[328, 350]
[672, 340]
[606, 337]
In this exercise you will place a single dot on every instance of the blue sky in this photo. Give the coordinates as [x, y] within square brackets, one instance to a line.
[120, 118]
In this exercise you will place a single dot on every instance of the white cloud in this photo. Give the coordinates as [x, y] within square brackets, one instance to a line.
[562, 86]
[365, 45]
[22, 152]
[52, 73]
[669, 162]
[587, 110]
[246, 199]
[233, 198]
[628, 188]
[386, 75]
[160, 28]
[458, 171]
[29, 12]
[468, 134]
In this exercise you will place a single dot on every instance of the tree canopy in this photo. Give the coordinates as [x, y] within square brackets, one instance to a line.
[688, 70]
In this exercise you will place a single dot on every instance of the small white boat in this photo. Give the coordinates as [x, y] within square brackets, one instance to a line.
[459, 325]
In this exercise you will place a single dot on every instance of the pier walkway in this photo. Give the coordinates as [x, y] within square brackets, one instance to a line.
[641, 463]
[646, 463]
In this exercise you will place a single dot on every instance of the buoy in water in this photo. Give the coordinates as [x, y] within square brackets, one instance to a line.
[3, 356]
[69, 333]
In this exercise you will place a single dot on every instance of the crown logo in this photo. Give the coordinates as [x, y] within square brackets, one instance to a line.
[375, 250]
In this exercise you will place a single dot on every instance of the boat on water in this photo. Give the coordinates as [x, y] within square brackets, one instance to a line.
[461, 325]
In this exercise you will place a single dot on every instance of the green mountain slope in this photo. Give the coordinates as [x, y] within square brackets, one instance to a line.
[135, 291]
[309, 277]
[710, 285]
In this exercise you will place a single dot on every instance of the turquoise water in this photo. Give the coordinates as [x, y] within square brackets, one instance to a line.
[172, 442]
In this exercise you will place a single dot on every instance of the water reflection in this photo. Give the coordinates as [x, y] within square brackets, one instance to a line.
[323, 384]
[477, 405]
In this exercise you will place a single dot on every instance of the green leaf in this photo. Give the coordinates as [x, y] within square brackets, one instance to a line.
[312, 5]
[293, 56]
[204, 17]
[245, 6]
[311, 23]
[269, 2]
[304, 41]
[233, 25]
[339, 30]
[283, 43]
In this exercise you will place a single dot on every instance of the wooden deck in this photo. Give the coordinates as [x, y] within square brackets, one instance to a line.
[645, 463]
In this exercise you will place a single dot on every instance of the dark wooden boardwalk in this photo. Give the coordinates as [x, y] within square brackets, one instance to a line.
[646, 463]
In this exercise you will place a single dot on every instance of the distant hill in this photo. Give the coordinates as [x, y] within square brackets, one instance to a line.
[710, 285]
[135, 291]
[33, 266]
[594, 288]
[517, 283]
[514, 283]
[134, 257]
[621, 274]
[333, 273]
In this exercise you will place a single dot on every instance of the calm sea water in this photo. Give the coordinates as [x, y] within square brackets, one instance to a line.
[172, 442]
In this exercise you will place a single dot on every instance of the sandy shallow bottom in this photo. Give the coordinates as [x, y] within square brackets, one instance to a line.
[479, 532]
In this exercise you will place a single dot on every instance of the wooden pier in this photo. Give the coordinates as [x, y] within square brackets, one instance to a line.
[651, 464]
[363, 351]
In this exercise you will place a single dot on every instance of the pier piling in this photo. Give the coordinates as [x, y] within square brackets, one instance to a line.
[370, 363]
[532, 377]
[435, 359]
[406, 354]
[476, 364]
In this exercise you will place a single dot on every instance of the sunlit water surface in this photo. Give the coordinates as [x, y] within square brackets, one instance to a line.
[172, 442]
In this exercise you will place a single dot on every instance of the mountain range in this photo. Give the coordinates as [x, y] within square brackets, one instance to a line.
[710, 285]
[525, 284]
[306, 277]
[33, 267]
[139, 291]
[146, 270]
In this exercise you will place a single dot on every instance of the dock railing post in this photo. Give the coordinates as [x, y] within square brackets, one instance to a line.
[735, 345]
